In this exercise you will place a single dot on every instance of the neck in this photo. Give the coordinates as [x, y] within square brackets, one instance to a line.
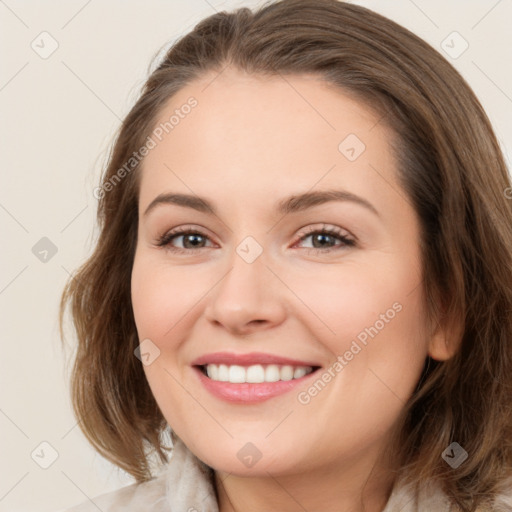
[355, 486]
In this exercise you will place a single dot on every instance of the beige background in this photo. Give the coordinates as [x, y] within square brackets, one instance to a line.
[58, 115]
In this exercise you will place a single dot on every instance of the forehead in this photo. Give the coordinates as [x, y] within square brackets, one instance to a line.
[252, 133]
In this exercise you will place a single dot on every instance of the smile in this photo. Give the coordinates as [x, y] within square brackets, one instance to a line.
[250, 378]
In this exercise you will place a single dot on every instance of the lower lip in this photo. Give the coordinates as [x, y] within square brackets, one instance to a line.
[247, 392]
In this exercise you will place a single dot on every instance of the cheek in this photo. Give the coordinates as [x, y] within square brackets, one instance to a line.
[162, 296]
[378, 350]
[344, 301]
[374, 322]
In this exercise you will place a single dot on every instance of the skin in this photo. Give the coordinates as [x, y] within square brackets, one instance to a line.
[249, 143]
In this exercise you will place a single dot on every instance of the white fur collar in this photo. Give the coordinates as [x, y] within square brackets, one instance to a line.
[185, 485]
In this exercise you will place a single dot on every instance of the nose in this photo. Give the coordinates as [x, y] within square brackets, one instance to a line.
[248, 299]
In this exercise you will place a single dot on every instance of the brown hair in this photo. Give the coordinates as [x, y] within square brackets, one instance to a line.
[453, 173]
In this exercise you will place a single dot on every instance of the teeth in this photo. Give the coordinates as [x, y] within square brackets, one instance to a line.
[236, 374]
[223, 374]
[299, 372]
[256, 373]
[213, 371]
[286, 373]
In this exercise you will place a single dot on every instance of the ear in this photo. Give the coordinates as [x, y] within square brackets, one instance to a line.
[445, 339]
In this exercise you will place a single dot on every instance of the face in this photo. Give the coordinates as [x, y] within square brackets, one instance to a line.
[269, 278]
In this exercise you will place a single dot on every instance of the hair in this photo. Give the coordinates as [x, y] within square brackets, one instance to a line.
[452, 170]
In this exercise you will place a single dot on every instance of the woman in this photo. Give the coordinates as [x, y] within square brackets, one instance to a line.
[304, 276]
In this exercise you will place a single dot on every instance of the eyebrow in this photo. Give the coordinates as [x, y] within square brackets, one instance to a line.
[293, 204]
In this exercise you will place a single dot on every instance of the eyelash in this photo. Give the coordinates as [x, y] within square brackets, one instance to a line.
[166, 238]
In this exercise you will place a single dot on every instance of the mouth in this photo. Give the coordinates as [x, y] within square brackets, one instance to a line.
[250, 378]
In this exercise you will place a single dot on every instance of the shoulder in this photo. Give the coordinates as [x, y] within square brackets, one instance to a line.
[150, 496]
[183, 484]
[431, 497]
[408, 499]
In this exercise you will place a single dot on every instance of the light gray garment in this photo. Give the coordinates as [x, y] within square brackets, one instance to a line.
[185, 485]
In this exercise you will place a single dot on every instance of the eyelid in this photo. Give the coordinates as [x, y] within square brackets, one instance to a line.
[310, 229]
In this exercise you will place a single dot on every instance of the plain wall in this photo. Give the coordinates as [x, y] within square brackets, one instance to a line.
[58, 117]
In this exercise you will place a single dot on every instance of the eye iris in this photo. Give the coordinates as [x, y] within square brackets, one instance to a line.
[320, 236]
[192, 236]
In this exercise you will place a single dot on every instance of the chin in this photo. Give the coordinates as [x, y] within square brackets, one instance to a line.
[246, 458]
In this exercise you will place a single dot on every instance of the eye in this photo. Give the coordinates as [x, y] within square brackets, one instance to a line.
[323, 237]
[194, 239]
[190, 237]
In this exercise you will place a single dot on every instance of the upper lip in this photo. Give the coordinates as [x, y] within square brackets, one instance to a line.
[248, 359]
